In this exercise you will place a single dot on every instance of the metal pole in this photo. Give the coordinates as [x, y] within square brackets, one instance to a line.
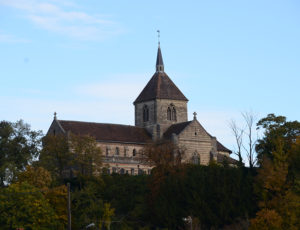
[69, 207]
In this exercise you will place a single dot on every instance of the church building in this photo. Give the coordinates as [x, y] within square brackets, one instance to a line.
[160, 113]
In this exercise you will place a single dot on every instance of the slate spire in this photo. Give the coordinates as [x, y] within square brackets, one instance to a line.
[159, 61]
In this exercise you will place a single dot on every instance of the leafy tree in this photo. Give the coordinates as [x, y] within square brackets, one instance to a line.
[41, 179]
[62, 154]
[87, 207]
[19, 146]
[24, 206]
[55, 155]
[36, 176]
[276, 127]
[280, 197]
[87, 155]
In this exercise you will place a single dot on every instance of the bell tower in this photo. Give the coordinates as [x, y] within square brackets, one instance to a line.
[161, 103]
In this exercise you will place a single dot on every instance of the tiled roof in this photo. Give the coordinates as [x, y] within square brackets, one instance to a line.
[222, 158]
[222, 148]
[107, 132]
[176, 128]
[160, 86]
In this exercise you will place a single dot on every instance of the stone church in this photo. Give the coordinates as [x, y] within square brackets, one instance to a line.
[160, 113]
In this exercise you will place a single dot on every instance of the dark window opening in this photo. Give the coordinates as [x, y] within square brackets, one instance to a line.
[169, 116]
[171, 113]
[145, 113]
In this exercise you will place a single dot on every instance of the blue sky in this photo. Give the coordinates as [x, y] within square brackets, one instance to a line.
[88, 60]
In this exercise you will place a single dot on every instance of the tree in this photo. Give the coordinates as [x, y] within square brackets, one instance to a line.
[87, 155]
[238, 136]
[19, 146]
[241, 135]
[41, 179]
[55, 155]
[163, 154]
[76, 153]
[24, 206]
[279, 196]
[250, 150]
[36, 176]
[276, 127]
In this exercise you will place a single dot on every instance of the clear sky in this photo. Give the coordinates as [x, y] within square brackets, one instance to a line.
[88, 60]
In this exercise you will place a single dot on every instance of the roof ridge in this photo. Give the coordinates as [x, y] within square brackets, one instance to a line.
[100, 123]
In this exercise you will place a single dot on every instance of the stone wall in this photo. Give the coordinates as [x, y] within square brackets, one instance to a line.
[194, 139]
[158, 122]
[125, 159]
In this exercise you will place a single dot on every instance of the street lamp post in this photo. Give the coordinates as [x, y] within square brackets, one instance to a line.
[189, 220]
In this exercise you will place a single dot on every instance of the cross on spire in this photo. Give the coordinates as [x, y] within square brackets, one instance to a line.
[158, 37]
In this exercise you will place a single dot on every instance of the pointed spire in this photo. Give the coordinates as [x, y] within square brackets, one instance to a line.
[159, 59]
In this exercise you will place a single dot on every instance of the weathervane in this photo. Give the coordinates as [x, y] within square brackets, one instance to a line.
[158, 35]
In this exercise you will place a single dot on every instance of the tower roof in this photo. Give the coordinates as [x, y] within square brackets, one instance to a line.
[160, 86]
[159, 60]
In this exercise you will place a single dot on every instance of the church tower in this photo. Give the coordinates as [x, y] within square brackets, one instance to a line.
[160, 104]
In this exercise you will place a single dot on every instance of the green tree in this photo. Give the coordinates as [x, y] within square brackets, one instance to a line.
[19, 146]
[87, 155]
[55, 155]
[24, 206]
[279, 196]
[276, 127]
[41, 179]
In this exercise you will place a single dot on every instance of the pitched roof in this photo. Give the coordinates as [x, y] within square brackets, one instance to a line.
[176, 128]
[222, 148]
[222, 158]
[107, 132]
[160, 86]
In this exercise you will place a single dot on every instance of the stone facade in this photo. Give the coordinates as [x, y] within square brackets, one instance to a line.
[158, 122]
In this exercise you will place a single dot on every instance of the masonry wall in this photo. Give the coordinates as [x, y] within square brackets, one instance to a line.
[158, 122]
[125, 160]
[194, 139]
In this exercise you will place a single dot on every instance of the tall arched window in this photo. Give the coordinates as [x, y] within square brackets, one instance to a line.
[174, 117]
[169, 116]
[134, 152]
[145, 113]
[117, 151]
[196, 159]
[171, 113]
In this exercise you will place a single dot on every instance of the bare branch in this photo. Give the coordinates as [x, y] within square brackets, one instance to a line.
[238, 135]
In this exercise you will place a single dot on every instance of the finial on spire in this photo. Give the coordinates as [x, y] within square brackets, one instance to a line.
[55, 115]
[159, 60]
[195, 115]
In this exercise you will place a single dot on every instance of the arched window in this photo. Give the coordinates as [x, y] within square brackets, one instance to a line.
[122, 171]
[196, 159]
[117, 151]
[171, 113]
[169, 116]
[145, 113]
[134, 152]
[174, 118]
